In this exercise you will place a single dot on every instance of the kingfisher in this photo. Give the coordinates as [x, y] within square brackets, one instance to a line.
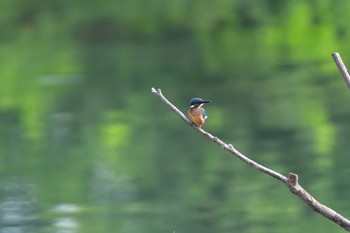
[196, 113]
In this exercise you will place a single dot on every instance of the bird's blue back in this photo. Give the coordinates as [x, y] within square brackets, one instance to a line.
[204, 114]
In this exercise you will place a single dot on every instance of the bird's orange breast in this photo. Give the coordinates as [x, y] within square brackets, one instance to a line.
[195, 115]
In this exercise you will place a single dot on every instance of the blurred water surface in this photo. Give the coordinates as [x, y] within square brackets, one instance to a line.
[85, 146]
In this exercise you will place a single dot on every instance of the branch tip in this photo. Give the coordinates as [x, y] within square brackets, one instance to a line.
[154, 91]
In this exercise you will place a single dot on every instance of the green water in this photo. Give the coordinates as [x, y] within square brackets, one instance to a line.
[86, 147]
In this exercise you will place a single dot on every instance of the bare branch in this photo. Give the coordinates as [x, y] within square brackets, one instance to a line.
[291, 182]
[342, 68]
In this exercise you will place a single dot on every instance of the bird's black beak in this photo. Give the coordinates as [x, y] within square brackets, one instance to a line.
[206, 101]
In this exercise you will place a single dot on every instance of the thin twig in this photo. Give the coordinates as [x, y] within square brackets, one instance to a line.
[342, 68]
[291, 182]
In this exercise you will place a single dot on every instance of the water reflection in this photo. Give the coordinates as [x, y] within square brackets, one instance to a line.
[66, 208]
[110, 187]
[78, 121]
[18, 212]
[64, 222]
[54, 80]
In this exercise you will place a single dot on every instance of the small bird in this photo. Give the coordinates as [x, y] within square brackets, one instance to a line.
[196, 113]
